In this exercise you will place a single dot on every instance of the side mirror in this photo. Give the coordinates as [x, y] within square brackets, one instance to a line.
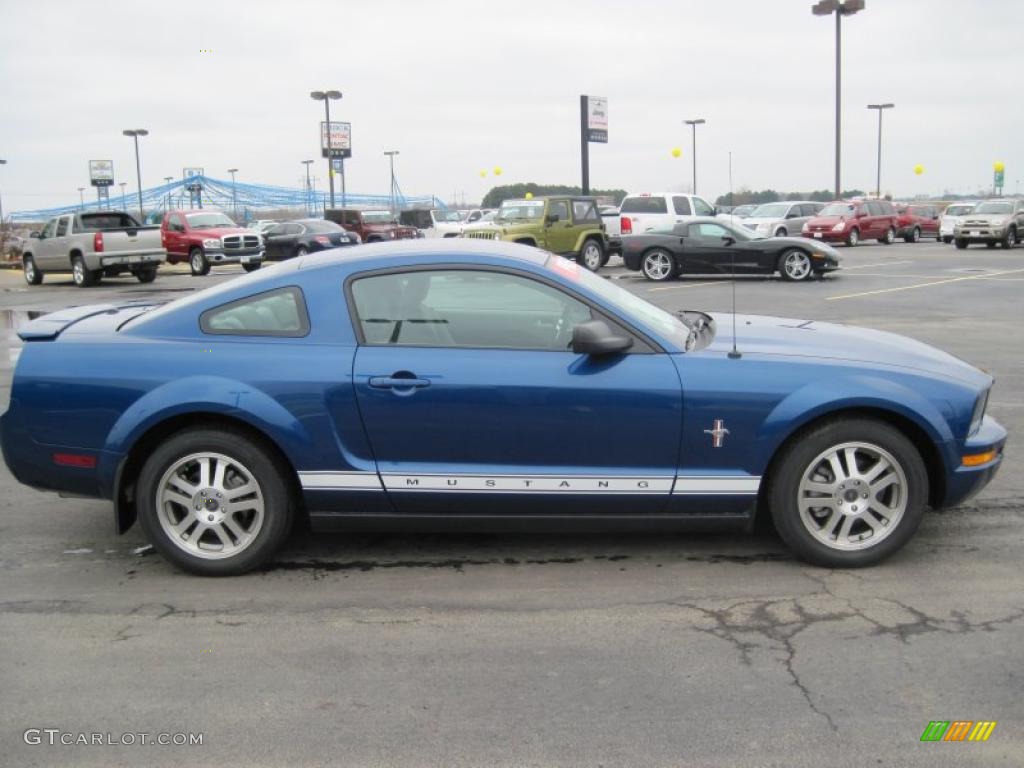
[596, 338]
[551, 218]
[34, 235]
[714, 212]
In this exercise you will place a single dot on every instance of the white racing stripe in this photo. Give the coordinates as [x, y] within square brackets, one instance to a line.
[684, 485]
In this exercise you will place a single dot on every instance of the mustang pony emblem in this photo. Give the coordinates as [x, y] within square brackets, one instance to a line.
[717, 434]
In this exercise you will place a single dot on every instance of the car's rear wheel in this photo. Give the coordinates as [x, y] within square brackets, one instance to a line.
[848, 493]
[146, 275]
[947, 240]
[592, 255]
[914, 236]
[795, 265]
[301, 251]
[889, 238]
[32, 275]
[658, 265]
[82, 275]
[853, 238]
[1010, 238]
[198, 263]
[990, 245]
[213, 502]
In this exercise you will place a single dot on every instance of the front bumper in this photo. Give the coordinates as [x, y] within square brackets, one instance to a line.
[980, 234]
[964, 482]
[828, 236]
[240, 256]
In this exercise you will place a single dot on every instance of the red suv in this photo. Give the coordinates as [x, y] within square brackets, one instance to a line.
[851, 222]
[916, 221]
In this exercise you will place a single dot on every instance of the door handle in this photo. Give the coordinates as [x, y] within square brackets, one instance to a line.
[398, 382]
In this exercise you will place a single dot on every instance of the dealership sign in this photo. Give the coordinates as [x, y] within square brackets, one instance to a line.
[101, 173]
[597, 119]
[341, 139]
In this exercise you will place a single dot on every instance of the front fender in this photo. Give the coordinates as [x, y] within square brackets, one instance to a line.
[819, 398]
[200, 394]
[586, 236]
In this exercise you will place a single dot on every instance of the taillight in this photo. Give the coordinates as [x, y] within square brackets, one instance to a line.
[626, 225]
[97, 242]
[323, 240]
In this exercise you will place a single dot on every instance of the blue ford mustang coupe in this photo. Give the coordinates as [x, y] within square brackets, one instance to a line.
[468, 383]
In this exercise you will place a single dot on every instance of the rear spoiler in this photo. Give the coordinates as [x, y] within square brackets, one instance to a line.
[49, 327]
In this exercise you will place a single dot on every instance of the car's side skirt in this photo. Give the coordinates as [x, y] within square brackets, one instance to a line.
[340, 521]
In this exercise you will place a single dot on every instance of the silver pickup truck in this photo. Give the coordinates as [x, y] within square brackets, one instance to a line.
[92, 246]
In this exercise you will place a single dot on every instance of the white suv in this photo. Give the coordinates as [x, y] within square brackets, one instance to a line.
[660, 210]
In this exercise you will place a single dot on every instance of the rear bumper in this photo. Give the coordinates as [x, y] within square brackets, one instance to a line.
[134, 259]
[965, 482]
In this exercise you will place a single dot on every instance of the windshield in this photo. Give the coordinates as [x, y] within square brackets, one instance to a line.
[378, 217]
[743, 210]
[208, 220]
[770, 211]
[447, 215]
[521, 210]
[959, 210]
[837, 209]
[994, 208]
[670, 326]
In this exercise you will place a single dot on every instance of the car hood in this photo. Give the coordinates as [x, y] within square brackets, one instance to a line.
[221, 231]
[752, 221]
[757, 334]
[822, 221]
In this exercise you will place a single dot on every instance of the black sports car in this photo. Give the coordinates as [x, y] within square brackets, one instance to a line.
[302, 236]
[704, 246]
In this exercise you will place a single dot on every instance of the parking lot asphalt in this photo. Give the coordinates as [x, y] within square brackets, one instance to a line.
[569, 650]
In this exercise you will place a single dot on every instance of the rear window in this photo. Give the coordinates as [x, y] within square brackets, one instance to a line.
[280, 312]
[644, 205]
[98, 222]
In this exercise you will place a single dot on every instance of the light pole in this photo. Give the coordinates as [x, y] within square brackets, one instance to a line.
[840, 8]
[234, 193]
[123, 184]
[693, 124]
[391, 157]
[326, 97]
[878, 177]
[309, 189]
[2, 162]
[168, 180]
[81, 198]
[135, 133]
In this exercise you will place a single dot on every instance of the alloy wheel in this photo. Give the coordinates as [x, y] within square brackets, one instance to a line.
[797, 265]
[658, 266]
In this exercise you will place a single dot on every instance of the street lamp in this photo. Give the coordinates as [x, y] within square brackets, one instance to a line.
[81, 198]
[391, 157]
[309, 188]
[2, 162]
[123, 184]
[234, 193]
[840, 8]
[326, 97]
[168, 180]
[135, 133]
[693, 124]
[878, 178]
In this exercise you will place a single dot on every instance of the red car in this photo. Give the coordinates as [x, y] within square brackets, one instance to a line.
[917, 221]
[852, 221]
[204, 238]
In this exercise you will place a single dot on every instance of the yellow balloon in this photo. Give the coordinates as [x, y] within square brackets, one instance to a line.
[483, 174]
[998, 166]
[918, 169]
[676, 152]
[497, 171]
[529, 195]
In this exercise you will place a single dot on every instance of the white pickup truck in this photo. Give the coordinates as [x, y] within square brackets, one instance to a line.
[92, 246]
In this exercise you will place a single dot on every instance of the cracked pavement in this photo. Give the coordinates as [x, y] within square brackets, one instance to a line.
[535, 650]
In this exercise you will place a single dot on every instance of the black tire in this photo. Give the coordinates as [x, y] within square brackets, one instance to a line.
[889, 238]
[591, 254]
[800, 456]
[947, 240]
[914, 236]
[961, 244]
[1010, 238]
[853, 238]
[146, 275]
[990, 245]
[197, 262]
[659, 265]
[252, 266]
[795, 265]
[301, 251]
[82, 275]
[32, 274]
[278, 506]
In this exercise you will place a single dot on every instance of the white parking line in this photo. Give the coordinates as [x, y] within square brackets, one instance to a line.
[924, 285]
[878, 264]
[690, 285]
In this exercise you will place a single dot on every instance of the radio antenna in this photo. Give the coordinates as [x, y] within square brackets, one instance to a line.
[734, 354]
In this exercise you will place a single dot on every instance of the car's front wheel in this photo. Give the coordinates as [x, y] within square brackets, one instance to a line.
[32, 275]
[198, 263]
[853, 238]
[592, 255]
[213, 502]
[146, 275]
[658, 265]
[914, 236]
[795, 265]
[961, 243]
[848, 493]
[1010, 238]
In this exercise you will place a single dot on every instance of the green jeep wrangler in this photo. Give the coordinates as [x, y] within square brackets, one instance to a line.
[568, 226]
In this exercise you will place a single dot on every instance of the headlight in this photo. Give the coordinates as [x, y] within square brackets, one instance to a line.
[212, 244]
[839, 227]
[979, 412]
[764, 227]
[391, 234]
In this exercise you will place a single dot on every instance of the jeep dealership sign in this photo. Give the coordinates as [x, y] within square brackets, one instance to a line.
[597, 119]
[341, 139]
[101, 173]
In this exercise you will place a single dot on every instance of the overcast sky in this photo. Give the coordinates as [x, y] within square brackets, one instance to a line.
[459, 86]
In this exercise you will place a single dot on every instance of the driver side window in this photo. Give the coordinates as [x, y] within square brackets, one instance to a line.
[559, 209]
[465, 309]
[49, 229]
[710, 231]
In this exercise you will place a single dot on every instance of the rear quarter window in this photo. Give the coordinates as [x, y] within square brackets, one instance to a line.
[644, 205]
[281, 312]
